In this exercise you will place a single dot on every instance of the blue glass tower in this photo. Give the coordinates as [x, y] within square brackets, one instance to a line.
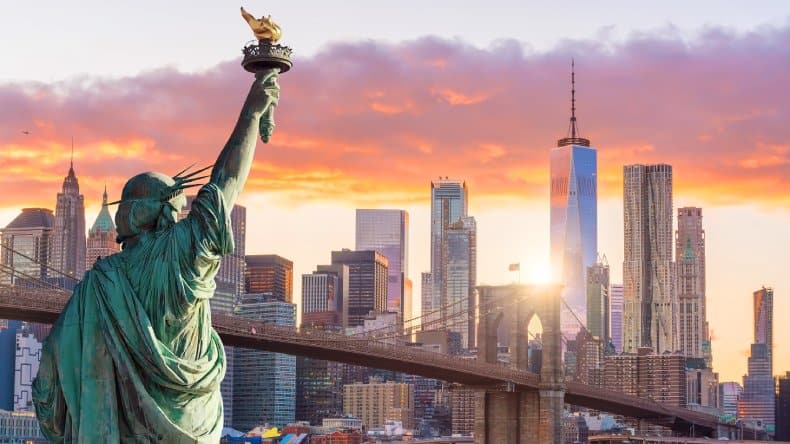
[574, 217]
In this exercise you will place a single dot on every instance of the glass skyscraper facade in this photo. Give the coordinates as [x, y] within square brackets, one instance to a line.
[450, 295]
[758, 398]
[616, 316]
[598, 300]
[26, 246]
[264, 382]
[387, 231]
[460, 272]
[574, 223]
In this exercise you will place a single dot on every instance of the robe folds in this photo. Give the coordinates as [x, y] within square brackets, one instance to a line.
[133, 357]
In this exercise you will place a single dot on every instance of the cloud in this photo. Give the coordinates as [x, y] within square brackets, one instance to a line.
[374, 122]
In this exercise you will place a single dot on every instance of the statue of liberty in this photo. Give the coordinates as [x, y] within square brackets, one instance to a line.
[133, 357]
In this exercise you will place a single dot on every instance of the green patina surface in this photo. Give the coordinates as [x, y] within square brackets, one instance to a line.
[133, 357]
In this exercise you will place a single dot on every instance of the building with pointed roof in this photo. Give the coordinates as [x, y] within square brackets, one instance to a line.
[68, 246]
[101, 236]
[690, 258]
[574, 217]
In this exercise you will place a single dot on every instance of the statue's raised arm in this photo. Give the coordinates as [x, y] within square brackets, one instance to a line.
[233, 164]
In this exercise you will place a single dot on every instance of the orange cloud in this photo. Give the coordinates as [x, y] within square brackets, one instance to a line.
[380, 121]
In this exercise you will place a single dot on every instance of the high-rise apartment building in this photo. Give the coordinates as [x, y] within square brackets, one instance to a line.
[270, 275]
[68, 233]
[574, 217]
[320, 300]
[264, 382]
[598, 300]
[26, 246]
[616, 316]
[387, 231]
[661, 378]
[650, 306]
[757, 400]
[367, 284]
[453, 259]
[377, 402]
[101, 236]
[694, 339]
[783, 409]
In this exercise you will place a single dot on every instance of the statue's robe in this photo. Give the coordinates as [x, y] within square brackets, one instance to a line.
[133, 358]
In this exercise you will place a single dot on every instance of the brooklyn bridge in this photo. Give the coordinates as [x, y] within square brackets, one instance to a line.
[513, 405]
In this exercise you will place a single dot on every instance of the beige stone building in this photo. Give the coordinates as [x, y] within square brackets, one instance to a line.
[377, 401]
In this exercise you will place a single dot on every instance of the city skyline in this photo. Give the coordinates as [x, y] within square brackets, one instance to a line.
[511, 202]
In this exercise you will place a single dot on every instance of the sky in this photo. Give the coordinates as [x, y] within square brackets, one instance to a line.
[383, 98]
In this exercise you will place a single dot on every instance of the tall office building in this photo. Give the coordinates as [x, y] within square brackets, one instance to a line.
[320, 300]
[783, 408]
[757, 400]
[598, 300]
[68, 233]
[270, 275]
[264, 382]
[616, 316]
[319, 383]
[427, 313]
[367, 284]
[461, 279]
[26, 246]
[650, 305]
[387, 231]
[453, 261]
[574, 217]
[101, 236]
[764, 319]
[694, 339]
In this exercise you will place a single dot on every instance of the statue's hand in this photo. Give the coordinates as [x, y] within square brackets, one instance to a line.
[268, 95]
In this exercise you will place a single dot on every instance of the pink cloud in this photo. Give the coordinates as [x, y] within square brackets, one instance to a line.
[371, 120]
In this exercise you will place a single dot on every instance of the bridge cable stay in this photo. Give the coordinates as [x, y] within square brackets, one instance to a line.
[36, 261]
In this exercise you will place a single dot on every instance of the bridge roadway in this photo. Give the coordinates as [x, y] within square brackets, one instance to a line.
[45, 305]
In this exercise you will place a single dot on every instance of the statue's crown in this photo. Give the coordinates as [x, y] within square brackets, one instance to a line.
[157, 186]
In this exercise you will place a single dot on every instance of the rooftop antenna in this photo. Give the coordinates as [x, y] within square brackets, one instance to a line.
[573, 98]
[575, 135]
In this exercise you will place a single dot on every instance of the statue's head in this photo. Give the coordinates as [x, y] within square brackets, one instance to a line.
[146, 205]
[151, 202]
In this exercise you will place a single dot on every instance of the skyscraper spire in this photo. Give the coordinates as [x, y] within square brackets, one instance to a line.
[573, 103]
[574, 135]
[71, 162]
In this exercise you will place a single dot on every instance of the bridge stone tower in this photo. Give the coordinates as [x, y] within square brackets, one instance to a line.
[506, 415]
